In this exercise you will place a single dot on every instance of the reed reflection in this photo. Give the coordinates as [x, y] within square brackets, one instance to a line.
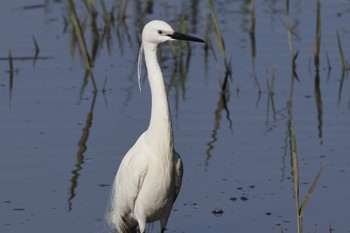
[37, 50]
[317, 89]
[11, 76]
[82, 147]
[344, 68]
[318, 99]
[253, 46]
[221, 105]
[270, 100]
[79, 36]
[224, 82]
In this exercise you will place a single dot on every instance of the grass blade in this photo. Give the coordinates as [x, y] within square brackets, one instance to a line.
[295, 167]
[221, 44]
[218, 35]
[81, 40]
[309, 193]
[79, 34]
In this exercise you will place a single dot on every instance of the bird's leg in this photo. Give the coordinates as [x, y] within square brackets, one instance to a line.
[142, 224]
[163, 223]
[141, 231]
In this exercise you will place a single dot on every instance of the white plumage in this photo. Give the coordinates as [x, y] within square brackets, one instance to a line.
[149, 177]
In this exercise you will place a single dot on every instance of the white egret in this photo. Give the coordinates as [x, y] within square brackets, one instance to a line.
[150, 175]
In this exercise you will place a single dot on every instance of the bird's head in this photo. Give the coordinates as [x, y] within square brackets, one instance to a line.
[155, 33]
[158, 31]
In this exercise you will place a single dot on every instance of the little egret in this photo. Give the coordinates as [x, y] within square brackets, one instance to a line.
[150, 175]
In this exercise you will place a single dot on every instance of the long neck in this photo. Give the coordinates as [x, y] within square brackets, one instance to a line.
[159, 128]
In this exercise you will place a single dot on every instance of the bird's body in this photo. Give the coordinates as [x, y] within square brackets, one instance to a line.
[149, 177]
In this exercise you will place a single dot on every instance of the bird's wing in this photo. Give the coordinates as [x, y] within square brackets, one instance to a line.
[131, 174]
[178, 173]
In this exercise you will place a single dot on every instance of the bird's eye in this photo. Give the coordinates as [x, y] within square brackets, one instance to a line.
[160, 32]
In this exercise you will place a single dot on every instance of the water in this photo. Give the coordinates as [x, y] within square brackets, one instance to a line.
[60, 146]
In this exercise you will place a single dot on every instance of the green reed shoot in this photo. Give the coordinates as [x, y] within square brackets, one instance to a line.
[218, 34]
[309, 193]
[317, 44]
[79, 34]
[81, 40]
[221, 44]
[295, 167]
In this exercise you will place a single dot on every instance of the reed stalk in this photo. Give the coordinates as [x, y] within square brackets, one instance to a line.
[221, 44]
[79, 35]
[295, 168]
[81, 40]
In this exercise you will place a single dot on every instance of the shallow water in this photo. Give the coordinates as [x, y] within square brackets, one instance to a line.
[60, 145]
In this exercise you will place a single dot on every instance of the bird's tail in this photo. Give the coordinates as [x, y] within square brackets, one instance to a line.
[121, 224]
[116, 218]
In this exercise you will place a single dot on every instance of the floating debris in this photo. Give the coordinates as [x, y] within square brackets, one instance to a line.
[217, 212]
[18, 209]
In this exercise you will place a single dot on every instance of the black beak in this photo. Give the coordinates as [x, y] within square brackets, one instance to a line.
[180, 36]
